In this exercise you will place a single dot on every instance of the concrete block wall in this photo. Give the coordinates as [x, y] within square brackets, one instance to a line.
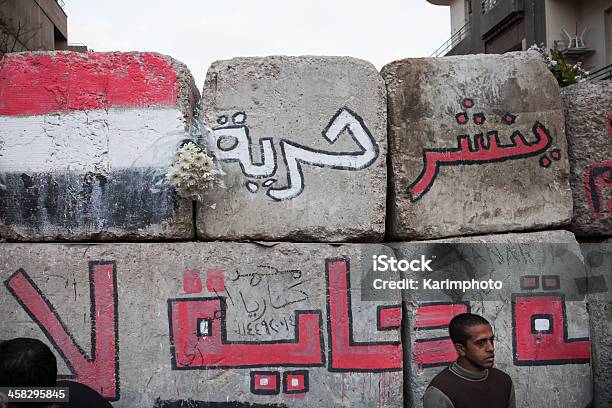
[85, 142]
[539, 272]
[303, 140]
[477, 145]
[588, 113]
[212, 322]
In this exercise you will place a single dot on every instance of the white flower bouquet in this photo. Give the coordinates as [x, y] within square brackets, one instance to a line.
[193, 172]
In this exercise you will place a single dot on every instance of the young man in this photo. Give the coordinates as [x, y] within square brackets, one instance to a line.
[26, 362]
[471, 381]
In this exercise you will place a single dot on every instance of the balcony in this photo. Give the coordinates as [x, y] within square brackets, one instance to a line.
[496, 13]
[601, 74]
[452, 42]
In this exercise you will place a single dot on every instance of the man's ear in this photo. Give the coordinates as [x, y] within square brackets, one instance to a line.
[460, 348]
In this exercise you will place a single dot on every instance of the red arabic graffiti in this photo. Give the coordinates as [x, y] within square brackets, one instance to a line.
[598, 183]
[436, 351]
[482, 149]
[540, 336]
[346, 354]
[199, 339]
[101, 370]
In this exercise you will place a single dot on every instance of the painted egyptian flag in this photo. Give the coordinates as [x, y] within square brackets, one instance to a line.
[85, 142]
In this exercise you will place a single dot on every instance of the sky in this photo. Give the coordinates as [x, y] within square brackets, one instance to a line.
[200, 32]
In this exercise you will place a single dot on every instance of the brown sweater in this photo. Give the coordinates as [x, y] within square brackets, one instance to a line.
[456, 387]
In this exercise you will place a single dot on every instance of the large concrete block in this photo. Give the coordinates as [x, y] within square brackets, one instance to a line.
[303, 142]
[539, 318]
[85, 140]
[598, 286]
[476, 144]
[588, 120]
[223, 324]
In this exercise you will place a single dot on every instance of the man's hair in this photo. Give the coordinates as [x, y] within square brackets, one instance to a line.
[27, 362]
[457, 328]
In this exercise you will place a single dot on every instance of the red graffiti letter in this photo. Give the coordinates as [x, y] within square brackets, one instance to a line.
[101, 371]
[540, 332]
[432, 352]
[345, 353]
[598, 188]
[198, 339]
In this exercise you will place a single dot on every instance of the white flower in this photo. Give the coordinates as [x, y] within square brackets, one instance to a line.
[199, 158]
[192, 171]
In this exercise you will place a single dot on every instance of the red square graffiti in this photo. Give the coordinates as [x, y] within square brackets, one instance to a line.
[215, 280]
[192, 283]
[265, 382]
[530, 282]
[551, 282]
[295, 382]
[389, 317]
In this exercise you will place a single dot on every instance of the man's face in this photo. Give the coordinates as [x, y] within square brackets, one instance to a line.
[478, 350]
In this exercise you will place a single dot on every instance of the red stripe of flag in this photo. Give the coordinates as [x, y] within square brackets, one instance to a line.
[34, 84]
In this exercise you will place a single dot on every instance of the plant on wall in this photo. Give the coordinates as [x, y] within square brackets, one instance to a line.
[565, 74]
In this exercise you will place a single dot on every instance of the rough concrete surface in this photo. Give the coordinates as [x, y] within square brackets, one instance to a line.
[588, 121]
[303, 142]
[598, 261]
[85, 141]
[547, 369]
[230, 323]
[458, 163]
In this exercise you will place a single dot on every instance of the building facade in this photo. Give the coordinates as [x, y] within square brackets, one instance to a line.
[581, 30]
[32, 25]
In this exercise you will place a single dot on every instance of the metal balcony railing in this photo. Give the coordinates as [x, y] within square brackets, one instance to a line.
[455, 39]
[601, 74]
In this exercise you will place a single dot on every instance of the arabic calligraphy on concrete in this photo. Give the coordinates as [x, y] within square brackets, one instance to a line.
[232, 143]
[481, 148]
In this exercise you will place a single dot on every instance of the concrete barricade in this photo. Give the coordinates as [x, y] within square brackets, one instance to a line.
[539, 316]
[476, 146]
[598, 287]
[226, 323]
[85, 140]
[588, 120]
[303, 140]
